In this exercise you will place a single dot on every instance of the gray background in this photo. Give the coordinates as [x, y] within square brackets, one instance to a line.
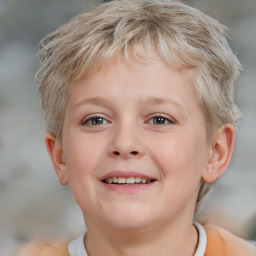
[32, 203]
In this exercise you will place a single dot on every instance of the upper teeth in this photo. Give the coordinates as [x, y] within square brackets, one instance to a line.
[130, 180]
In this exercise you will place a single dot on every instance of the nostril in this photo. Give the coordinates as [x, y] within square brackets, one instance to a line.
[132, 153]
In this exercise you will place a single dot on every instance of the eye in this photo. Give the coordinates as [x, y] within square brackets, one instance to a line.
[94, 120]
[160, 120]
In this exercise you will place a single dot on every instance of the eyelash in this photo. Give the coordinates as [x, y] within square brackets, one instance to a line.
[162, 118]
[90, 120]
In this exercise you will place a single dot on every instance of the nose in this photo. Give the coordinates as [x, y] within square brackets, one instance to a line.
[127, 142]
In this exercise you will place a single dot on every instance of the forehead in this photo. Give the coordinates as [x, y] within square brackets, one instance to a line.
[148, 82]
[129, 64]
[119, 65]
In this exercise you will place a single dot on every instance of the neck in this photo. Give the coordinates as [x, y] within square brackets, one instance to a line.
[173, 239]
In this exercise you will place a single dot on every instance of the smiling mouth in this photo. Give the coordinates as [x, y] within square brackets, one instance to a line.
[127, 181]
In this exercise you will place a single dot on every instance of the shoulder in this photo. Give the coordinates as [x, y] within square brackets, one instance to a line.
[221, 242]
[44, 249]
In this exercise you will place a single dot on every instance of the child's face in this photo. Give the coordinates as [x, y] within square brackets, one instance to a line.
[134, 121]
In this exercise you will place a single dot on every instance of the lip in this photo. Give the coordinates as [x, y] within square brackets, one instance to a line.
[127, 189]
[126, 174]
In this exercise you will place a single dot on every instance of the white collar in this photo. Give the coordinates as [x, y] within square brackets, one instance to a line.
[77, 248]
[202, 240]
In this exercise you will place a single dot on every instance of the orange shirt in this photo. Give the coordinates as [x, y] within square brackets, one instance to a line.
[219, 243]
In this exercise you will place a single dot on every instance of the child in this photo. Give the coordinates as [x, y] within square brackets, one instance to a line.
[139, 106]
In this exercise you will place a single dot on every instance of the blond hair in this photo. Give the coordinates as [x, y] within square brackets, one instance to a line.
[183, 36]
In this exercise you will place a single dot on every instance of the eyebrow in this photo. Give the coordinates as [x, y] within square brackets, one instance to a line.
[159, 101]
[95, 101]
[147, 101]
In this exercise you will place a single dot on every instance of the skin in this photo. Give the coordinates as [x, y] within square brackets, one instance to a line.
[137, 117]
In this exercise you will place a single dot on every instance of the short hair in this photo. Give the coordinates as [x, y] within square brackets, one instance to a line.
[184, 37]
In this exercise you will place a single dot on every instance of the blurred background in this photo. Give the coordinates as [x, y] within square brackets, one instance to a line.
[32, 203]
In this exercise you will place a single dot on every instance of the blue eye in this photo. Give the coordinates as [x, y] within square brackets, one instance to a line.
[160, 120]
[94, 121]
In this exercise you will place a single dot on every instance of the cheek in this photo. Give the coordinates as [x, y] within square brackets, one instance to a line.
[172, 154]
[82, 152]
[180, 157]
[81, 161]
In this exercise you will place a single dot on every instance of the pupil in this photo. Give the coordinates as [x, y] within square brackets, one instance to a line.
[97, 121]
[159, 120]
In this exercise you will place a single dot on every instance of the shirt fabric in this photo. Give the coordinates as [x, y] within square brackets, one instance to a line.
[220, 242]
[77, 248]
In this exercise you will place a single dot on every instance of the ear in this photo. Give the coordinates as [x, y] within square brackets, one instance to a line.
[55, 152]
[220, 155]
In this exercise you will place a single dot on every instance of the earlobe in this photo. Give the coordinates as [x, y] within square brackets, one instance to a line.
[55, 152]
[220, 155]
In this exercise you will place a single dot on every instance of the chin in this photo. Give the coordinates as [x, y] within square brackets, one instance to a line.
[130, 225]
[130, 220]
